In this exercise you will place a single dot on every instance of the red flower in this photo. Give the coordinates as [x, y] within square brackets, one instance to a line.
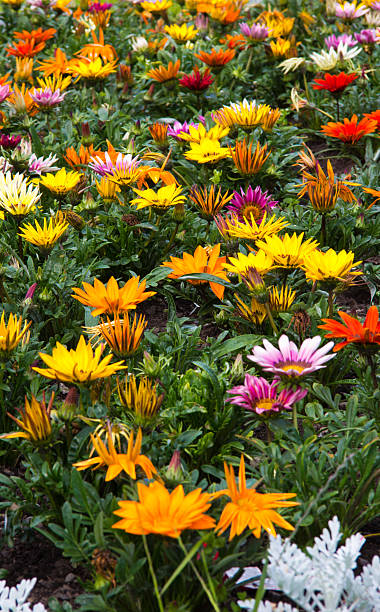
[334, 83]
[351, 130]
[352, 330]
[374, 115]
[27, 48]
[197, 81]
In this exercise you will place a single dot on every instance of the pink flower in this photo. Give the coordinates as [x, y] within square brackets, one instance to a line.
[253, 201]
[290, 361]
[333, 41]
[108, 167]
[179, 127]
[366, 37]
[255, 32]
[5, 91]
[260, 396]
[38, 165]
[349, 10]
[46, 98]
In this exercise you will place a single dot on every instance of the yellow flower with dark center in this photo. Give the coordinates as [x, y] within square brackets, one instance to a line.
[110, 299]
[122, 336]
[92, 70]
[181, 33]
[162, 74]
[17, 196]
[331, 266]
[210, 202]
[246, 115]
[246, 161]
[107, 189]
[255, 313]
[281, 301]
[12, 333]
[117, 462]
[78, 366]
[34, 421]
[249, 229]
[140, 398]
[288, 251]
[60, 183]
[261, 261]
[124, 175]
[199, 133]
[44, 237]
[248, 508]
[169, 195]
[279, 27]
[208, 151]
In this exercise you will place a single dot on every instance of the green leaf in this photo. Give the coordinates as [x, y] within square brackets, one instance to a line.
[235, 344]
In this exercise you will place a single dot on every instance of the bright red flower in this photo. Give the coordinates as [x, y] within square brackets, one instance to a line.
[352, 330]
[197, 81]
[351, 130]
[334, 83]
[374, 115]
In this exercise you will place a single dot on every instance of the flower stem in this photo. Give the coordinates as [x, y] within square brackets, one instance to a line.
[152, 573]
[337, 109]
[204, 585]
[271, 319]
[323, 230]
[249, 60]
[372, 366]
[331, 303]
[172, 238]
[294, 416]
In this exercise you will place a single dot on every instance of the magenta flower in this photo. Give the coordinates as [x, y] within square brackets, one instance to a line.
[46, 98]
[346, 39]
[9, 142]
[201, 21]
[290, 361]
[98, 7]
[39, 165]
[30, 293]
[349, 10]
[366, 37]
[197, 81]
[255, 202]
[5, 91]
[260, 396]
[255, 32]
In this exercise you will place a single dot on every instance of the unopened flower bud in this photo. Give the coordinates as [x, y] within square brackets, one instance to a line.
[75, 220]
[179, 212]
[174, 470]
[237, 370]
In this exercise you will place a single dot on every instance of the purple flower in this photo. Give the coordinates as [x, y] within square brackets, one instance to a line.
[179, 127]
[255, 32]
[201, 22]
[260, 396]
[30, 292]
[366, 37]
[5, 91]
[46, 98]
[253, 202]
[290, 361]
[9, 142]
[98, 7]
[333, 41]
[349, 10]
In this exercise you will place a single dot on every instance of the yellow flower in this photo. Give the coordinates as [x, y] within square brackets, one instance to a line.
[331, 266]
[323, 190]
[181, 33]
[124, 175]
[92, 70]
[12, 333]
[162, 74]
[44, 237]
[24, 69]
[199, 133]
[141, 399]
[156, 7]
[246, 115]
[78, 366]
[107, 189]
[60, 183]
[281, 301]
[122, 336]
[248, 229]
[209, 202]
[207, 151]
[110, 299]
[261, 261]
[169, 195]
[255, 313]
[283, 47]
[246, 161]
[35, 420]
[117, 462]
[55, 82]
[17, 196]
[288, 251]
[248, 508]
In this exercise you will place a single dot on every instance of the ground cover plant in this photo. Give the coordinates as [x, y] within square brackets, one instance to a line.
[189, 198]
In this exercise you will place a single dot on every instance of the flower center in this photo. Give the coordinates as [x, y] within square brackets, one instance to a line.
[252, 209]
[265, 404]
[298, 367]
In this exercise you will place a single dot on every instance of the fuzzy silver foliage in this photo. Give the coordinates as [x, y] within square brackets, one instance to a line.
[14, 599]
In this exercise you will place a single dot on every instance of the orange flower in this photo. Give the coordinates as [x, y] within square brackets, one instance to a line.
[21, 101]
[110, 299]
[350, 131]
[98, 48]
[248, 508]
[162, 74]
[205, 260]
[365, 334]
[76, 160]
[159, 132]
[164, 513]
[373, 192]
[322, 182]
[56, 65]
[246, 161]
[374, 115]
[38, 36]
[210, 203]
[236, 41]
[216, 58]
[27, 48]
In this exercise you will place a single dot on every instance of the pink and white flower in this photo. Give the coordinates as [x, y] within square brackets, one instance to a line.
[39, 165]
[346, 39]
[350, 10]
[46, 98]
[262, 397]
[5, 92]
[108, 167]
[255, 32]
[290, 361]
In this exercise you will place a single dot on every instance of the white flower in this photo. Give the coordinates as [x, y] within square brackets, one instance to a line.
[327, 60]
[291, 64]
[14, 599]
[139, 43]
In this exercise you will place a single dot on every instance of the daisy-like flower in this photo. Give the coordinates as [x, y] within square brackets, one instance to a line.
[205, 261]
[333, 41]
[284, 47]
[17, 196]
[334, 83]
[175, 130]
[281, 301]
[287, 251]
[122, 335]
[91, 70]
[366, 37]
[251, 509]
[350, 10]
[115, 165]
[57, 65]
[164, 513]
[255, 32]
[110, 299]
[140, 398]
[331, 267]
[107, 189]
[169, 195]
[78, 366]
[12, 333]
[247, 161]
[256, 313]
[373, 192]
[44, 237]
[38, 35]
[82, 158]
[329, 60]
[351, 130]
[207, 151]
[247, 115]
[249, 229]
[198, 133]
[118, 462]
[21, 102]
[216, 59]
[288, 360]
[157, 6]
[9, 142]
[98, 49]
[46, 98]
[364, 335]
[197, 81]
[251, 201]
[262, 397]
[319, 187]
[181, 33]
[260, 261]
[209, 202]
[39, 165]
[139, 44]
[34, 420]
[159, 132]
[162, 74]
[27, 48]
[5, 92]
[60, 183]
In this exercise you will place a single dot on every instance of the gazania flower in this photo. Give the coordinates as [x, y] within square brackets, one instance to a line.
[374, 115]
[260, 261]
[366, 37]
[252, 201]
[107, 189]
[350, 10]
[197, 81]
[82, 158]
[44, 237]
[365, 335]
[290, 361]
[117, 462]
[98, 49]
[156, 7]
[333, 41]
[169, 195]
[206, 261]
[91, 70]
[181, 33]
[164, 513]
[28, 48]
[39, 165]
[256, 32]
[159, 132]
[5, 92]
[329, 60]
[331, 267]
[335, 83]
[351, 130]
[283, 47]
[256, 313]
[34, 420]
[60, 183]
[17, 196]
[246, 161]
[123, 174]
[323, 187]
[109, 299]
[38, 35]
[198, 133]
[288, 251]
[46, 98]
[55, 83]
[216, 59]
[24, 69]
[21, 101]
[209, 202]
[247, 115]
[140, 397]
[56, 65]
[281, 301]
[374, 192]
[162, 74]
[121, 335]
[208, 151]
[12, 333]
[248, 508]
[78, 366]
[262, 397]
[9, 142]
[249, 229]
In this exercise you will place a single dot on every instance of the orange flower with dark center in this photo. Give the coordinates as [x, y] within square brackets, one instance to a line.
[334, 83]
[27, 48]
[351, 130]
[216, 58]
[246, 161]
[311, 182]
[38, 36]
[211, 202]
[162, 74]
[354, 332]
